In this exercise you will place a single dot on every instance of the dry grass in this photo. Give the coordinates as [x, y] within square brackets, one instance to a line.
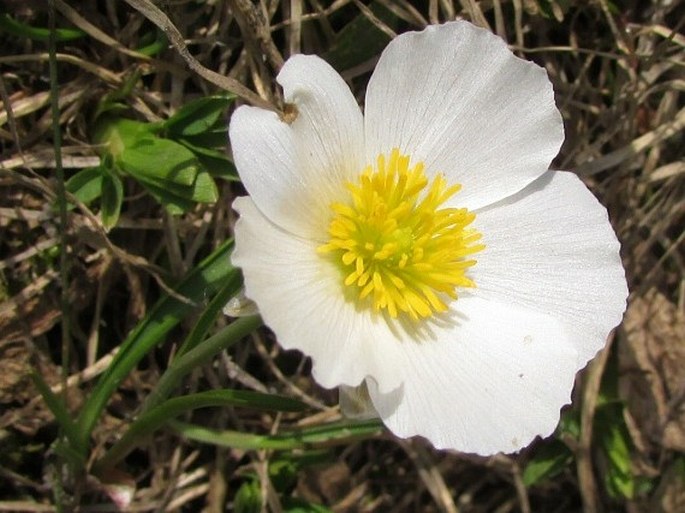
[619, 74]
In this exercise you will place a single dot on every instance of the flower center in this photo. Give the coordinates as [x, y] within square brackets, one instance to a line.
[397, 249]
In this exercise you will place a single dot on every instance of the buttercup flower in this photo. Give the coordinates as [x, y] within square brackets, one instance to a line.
[423, 248]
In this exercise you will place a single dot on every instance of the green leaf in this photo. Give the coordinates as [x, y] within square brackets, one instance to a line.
[214, 161]
[198, 116]
[614, 440]
[204, 189]
[156, 417]
[86, 184]
[215, 138]
[16, 28]
[173, 203]
[346, 50]
[152, 43]
[159, 159]
[178, 199]
[112, 198]
[202, 283]
[547, 463]
[171, 408]
[295, 505]
[206, 320]
[612, 437]
[248, 498]
[177, 174]
[63, 418]
[285, 467]
[569, 424]
[116, 134]
[201, 354]
[283, 474]
[220, 168]
[334, 433]
[155, 411]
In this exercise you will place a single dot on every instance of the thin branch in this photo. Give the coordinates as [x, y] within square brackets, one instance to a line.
[156, 16]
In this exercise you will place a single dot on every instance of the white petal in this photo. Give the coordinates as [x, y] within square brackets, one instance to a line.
[454, 97]
[355, 402]
[329, 128]
[295, 171]
[490, 384]
[550, 287]
[264, 154]
[300, 297]
[551, 249]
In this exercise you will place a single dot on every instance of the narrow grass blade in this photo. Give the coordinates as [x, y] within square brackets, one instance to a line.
[16, 28]
[206, 320]
[327, 434]
[198, 356]
[214, 272]
[62, 415]
[158, 416]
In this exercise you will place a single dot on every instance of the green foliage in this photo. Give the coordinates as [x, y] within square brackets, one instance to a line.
[197, 117]
[284, 467]
[199, 126]
[347, 52]
[152, 43]
[315, 436]
[176, 161]
[612, 437]
[156, 417]
[295, 505]
[547, 463]
[611, 434]
[283, 471]
[203, 282]
[112, 198]
[16, 28]
[86, 185]
[157, 160]
[214, 276]
[62, 416]
[569, 425]
[248, 498]
[206, 320]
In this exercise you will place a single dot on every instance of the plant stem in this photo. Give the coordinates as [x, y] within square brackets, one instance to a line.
[199, 355]
[61, 196]
[152, 414]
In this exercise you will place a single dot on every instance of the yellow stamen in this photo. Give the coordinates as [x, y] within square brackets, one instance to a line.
[401, 252]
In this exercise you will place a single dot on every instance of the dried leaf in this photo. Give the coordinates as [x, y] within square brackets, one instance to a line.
[653, 369]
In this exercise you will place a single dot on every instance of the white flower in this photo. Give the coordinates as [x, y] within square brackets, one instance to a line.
[424, 248]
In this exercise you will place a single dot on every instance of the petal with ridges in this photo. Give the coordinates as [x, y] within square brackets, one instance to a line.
[328, 131]
[549, 289]
[264, 153]
[300, 298]
[491, 383]
[551, 249]
[454, 97]
[295, 170]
